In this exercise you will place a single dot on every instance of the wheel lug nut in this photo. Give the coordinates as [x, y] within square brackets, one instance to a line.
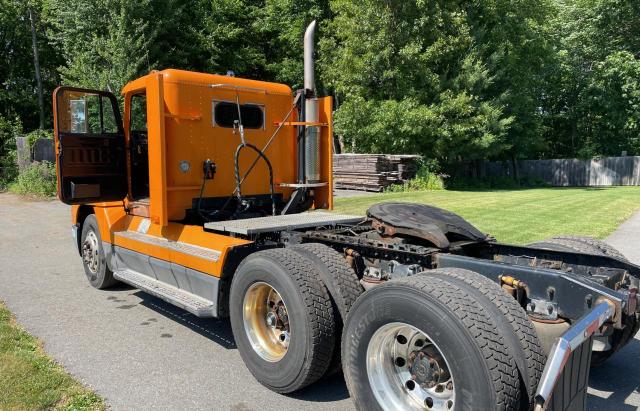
[271, 320]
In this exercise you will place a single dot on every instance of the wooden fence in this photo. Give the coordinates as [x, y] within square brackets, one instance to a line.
[607, 171]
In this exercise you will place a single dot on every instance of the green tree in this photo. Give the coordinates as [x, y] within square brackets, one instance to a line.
[104, 43]
[513, 39]
[18, 86]
[412, 78]
[259, 39]
[9, 129]
[591, 95]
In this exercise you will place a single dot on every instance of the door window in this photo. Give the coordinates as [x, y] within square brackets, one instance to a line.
[90, 146]
[84, 113]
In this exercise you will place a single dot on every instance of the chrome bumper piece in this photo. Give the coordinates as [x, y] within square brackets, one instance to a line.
[564, 382]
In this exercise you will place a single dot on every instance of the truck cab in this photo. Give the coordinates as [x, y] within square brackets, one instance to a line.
[155, 174]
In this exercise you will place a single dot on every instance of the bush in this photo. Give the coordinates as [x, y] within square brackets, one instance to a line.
[8, 170]
[38, 179]
[9, 129]
[425, 180]
[38, 134]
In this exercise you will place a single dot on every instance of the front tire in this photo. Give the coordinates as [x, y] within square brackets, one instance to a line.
[282, 319]
[425, 342]
[93, 255]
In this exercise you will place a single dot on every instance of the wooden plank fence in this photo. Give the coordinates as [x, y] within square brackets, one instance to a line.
[571, 172]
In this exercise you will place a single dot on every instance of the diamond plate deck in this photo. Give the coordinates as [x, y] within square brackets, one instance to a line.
[282, 222]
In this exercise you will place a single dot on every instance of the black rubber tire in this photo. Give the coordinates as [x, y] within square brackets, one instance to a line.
[340, 279]
[599, 245]
[341, 282]
[517, 328]
[593, 246]
[587, 245]
[104, 277]
[484, 372]
[309, 308]
[619, 339]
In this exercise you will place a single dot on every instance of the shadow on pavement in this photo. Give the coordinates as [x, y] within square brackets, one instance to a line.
[619, 376]
[328, 389]
[218, 331]
[612, 403]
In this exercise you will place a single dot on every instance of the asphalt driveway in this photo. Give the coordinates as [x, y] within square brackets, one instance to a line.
[141, 353]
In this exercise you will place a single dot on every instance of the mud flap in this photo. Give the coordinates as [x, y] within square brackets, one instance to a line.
[564, 382]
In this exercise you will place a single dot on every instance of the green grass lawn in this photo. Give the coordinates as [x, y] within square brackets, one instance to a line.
[30, 380]
[522, 216]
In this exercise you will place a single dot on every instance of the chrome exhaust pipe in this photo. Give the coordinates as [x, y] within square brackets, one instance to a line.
[312, 133]
[309, 63]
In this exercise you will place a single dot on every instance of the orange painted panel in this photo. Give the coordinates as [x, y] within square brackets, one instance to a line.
[157, 149]
[191, 136]
[324, 195]
[175, 232]
[110, 219]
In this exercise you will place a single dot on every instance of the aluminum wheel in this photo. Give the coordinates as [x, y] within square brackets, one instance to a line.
[407, 371]
[91, 252]
[266, 321]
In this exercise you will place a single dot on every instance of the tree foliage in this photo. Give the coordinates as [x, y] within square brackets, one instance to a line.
[453, 80]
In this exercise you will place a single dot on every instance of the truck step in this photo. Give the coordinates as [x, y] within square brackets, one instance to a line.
[196, 305]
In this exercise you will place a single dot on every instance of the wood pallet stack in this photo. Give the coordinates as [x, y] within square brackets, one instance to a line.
[372, 172]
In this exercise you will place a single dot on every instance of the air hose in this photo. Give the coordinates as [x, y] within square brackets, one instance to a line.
[237, 174]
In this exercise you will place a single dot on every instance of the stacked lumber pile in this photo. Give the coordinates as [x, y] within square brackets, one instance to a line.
[372, 172]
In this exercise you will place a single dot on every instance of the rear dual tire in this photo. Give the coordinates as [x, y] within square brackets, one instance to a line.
[450, 316]
[305, 317]
[341, 282]
[514, 325]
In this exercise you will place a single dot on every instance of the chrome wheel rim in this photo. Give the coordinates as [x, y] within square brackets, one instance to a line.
[407, 370]
[266, 321]
[91, 252]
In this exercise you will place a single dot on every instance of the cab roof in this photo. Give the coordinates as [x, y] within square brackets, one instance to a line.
[206, 79]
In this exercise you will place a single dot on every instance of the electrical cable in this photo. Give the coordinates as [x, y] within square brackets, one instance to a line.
[237, 173]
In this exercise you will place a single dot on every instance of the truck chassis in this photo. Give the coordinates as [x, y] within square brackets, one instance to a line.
[419, 308]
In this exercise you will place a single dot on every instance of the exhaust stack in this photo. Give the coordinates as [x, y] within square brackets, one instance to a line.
[309, 63]
[312, 133]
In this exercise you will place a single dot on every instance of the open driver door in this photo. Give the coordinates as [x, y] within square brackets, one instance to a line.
[90, 146]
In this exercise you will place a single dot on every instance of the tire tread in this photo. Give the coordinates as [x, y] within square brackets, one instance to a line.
[483, 329]
[319, 311]
[514, 314]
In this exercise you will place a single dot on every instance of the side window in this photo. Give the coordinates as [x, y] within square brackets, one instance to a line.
[225, 114]
[139, 113]
[84, 113]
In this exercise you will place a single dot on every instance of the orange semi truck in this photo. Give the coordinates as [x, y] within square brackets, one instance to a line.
[208, 192]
